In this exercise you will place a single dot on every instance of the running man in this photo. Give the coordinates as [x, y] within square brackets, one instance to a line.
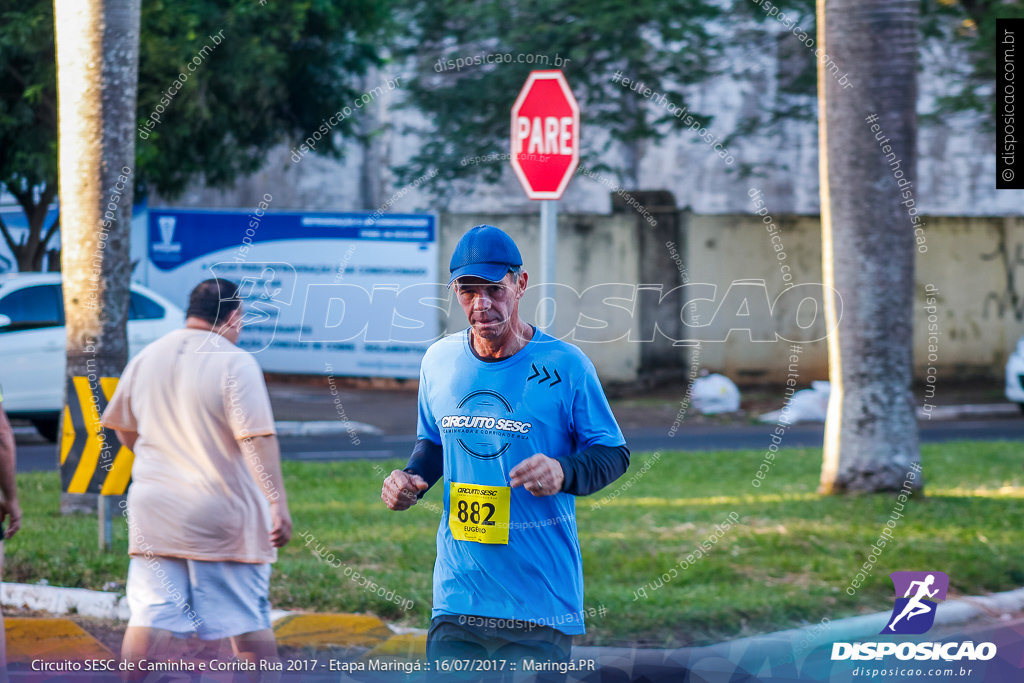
[517, 424]
[914, 606]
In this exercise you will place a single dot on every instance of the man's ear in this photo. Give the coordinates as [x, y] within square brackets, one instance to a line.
[523, 278]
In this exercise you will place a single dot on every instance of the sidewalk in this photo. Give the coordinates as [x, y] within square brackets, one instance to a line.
[392, 411]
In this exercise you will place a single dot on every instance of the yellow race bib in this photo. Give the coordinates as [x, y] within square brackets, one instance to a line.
[479, 513]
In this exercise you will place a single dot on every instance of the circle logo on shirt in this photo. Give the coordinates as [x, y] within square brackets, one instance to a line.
[485, 425]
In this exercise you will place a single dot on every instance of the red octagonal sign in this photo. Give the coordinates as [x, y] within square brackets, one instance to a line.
[545, 135]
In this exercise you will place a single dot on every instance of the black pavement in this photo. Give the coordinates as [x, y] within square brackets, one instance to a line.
[367, 423]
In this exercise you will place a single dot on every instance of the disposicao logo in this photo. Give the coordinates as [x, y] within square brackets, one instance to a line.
[917, 598]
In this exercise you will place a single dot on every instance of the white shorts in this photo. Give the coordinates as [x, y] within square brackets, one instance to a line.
[212, 599]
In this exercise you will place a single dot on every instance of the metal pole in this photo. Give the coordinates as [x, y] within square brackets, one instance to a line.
[548, 255]
[106, 525]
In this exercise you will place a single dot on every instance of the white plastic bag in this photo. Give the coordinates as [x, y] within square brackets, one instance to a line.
[715, 393]
[806, 405]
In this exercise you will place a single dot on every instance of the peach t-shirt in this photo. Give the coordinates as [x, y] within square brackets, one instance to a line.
[190, 395]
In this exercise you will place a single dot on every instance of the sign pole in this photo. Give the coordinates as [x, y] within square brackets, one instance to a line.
[106, 526]
[545, 154]
[548, 256]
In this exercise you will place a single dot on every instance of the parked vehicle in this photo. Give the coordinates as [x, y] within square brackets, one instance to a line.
[32, 342]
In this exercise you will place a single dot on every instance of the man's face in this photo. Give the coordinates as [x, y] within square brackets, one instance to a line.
[492, 308]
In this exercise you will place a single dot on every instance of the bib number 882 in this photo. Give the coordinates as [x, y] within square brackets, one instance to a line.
[471, 512]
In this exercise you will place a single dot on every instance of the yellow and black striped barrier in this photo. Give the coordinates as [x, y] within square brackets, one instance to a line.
[92, 460]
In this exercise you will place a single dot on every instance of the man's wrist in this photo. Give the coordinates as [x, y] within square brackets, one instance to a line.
[411, 471]
[565, 476]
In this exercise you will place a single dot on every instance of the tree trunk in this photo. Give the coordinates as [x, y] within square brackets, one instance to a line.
[30, 253]
[97, 81]
[30, 250]
[868, 239]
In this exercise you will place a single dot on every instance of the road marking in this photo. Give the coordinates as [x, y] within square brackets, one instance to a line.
[333, 455]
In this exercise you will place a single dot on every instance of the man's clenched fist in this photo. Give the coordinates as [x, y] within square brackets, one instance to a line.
[401, 489]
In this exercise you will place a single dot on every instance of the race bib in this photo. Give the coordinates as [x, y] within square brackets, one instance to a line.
[479, 513]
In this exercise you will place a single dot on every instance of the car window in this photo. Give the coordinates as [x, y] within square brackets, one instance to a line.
[33, 307]
[144, 308]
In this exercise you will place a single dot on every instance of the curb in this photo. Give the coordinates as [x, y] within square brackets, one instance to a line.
[30, 639]
[324, 428]
[60, 600]
[718, 662]
[312, 628]
[805, 639]
[936, 413]
[321, 631]
[970, 410]
[294, 629]
[89, 603]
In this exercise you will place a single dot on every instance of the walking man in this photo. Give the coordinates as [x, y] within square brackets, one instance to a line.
[516, 424]
[207, 507]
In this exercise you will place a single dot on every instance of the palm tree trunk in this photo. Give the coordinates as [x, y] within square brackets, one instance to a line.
[867, 130]
[97, 80]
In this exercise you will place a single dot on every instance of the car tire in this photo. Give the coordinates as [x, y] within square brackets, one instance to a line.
[47, 427]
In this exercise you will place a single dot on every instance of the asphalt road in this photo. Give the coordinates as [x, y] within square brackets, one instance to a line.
[35, 455]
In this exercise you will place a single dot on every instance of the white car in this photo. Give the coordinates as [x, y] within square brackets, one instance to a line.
[32, 342]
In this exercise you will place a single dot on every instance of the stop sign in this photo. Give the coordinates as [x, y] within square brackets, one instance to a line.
[545, 135]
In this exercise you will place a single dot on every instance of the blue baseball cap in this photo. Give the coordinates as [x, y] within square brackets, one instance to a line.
[486, 252]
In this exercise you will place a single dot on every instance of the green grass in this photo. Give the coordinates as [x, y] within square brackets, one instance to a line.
[787, 563]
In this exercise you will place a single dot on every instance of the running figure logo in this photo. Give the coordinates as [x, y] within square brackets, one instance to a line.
[914, 613]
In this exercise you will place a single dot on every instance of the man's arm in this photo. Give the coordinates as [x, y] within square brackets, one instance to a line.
[127, 438]
[593, 468]
[603, 457]
[580, 474]
[403, 488]
[427, 460]
[262, 455]
[9, 507]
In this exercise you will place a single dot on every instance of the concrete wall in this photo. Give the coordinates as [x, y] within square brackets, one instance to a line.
[724, 249]
[977, 265]
[974, 269]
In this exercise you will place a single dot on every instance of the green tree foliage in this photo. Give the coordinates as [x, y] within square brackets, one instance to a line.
[972, 25]
[666, 46]
[669, 46]
[279, 70]
[964, 28]
[28, 121]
